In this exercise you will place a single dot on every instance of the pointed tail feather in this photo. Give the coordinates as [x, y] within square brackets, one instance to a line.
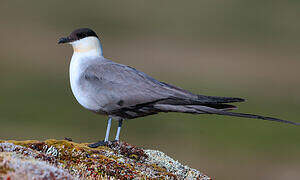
[210, 110]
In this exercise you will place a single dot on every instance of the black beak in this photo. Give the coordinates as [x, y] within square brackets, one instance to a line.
[64, 40]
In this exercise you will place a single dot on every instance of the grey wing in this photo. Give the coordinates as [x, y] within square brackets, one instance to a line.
[129, 93]
[122, 90]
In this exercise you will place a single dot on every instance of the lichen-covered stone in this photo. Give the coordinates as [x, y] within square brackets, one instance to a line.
[14, 166]
[61, 159]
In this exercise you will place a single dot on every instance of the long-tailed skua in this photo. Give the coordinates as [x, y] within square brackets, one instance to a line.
[121, 92]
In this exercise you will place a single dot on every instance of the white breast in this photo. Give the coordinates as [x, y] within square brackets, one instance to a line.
[77, 67]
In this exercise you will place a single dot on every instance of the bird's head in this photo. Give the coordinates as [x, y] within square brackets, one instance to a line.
[83, 40]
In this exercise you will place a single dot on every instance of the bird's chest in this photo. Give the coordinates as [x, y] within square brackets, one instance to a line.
[82, 94]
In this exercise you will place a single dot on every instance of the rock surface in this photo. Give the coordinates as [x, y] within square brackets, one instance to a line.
[61, 159]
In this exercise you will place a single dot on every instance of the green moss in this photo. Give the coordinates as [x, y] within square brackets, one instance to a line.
[118, 160]
[160, 169]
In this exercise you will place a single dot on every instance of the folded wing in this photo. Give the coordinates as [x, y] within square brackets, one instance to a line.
[129, 93]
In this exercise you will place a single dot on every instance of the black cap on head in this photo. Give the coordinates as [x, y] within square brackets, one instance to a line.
[77, 35]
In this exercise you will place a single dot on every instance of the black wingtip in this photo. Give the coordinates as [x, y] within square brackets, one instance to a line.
[217, 99]
[239, 99]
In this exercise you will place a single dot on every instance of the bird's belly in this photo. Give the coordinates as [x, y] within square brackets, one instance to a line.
[83, 97]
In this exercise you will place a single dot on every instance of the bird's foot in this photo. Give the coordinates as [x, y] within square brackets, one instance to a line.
[97, 144]
[115, 141]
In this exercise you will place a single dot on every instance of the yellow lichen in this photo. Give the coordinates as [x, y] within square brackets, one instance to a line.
[3, 168]
[118, 160]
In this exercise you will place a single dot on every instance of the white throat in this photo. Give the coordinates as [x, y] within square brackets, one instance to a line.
[85, 50]
[89, 45]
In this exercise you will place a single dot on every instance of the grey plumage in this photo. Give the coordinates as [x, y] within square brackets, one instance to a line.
[124, 92]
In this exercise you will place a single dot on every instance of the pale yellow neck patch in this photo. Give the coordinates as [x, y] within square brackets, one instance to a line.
[86, 45]
[82, 50]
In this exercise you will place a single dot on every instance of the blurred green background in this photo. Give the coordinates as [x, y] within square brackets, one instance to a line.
[234, 48]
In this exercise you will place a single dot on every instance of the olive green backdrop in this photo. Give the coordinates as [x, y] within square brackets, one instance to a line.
[240, 48]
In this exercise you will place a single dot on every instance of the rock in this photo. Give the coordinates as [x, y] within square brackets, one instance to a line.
[61, 159]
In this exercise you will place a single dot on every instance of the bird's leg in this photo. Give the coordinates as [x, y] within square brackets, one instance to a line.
[103, 143]
[107, 130]
[119, 129]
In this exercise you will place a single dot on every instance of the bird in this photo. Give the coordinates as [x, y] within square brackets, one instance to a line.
[122, 92]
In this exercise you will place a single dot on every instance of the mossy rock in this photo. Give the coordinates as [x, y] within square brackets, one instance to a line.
[62, 159]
